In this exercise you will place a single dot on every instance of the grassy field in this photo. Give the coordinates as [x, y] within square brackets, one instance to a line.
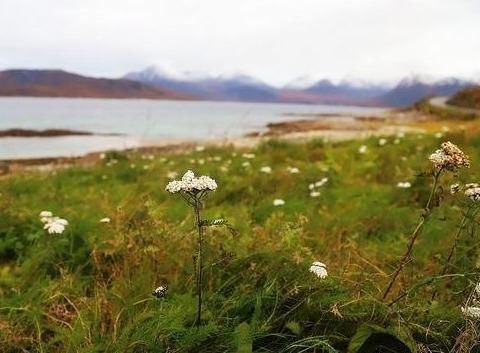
[90, 288]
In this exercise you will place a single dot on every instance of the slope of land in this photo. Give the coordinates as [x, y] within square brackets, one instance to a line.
[467, 98]
[57, 83]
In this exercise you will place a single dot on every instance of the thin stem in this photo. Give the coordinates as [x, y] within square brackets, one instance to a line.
[454, 246]
[413, 238]
[199, 261]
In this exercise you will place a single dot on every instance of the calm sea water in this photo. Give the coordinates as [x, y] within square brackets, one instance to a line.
[137, 120]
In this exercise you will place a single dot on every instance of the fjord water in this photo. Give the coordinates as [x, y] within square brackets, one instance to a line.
[137, 120]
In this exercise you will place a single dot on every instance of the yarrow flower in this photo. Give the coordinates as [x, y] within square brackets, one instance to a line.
[105, 220]
[160, 292]
[404, 185]
[278, 202]
[362, 149]
[191, 184]
[319, 269]
[266, 169]
[54, 225]
[472, 192]
[315, 194]
[472, 312]
[293, 170]
[454, 188]
[449, 157]
[382, 142]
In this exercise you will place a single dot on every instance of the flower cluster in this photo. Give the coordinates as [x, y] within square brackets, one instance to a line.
[472, 191]
[278, 202]
[54, 225]
[313, 187]
[404, 185]
[449, 157]
[454, 188]
[319, 269]
[191, 184]
[160, 292]
[473, 311]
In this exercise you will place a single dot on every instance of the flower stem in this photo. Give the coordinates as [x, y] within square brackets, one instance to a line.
[413, 237]
[199, 262]
[454, 247]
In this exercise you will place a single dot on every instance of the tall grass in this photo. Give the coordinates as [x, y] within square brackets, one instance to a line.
[259, 294]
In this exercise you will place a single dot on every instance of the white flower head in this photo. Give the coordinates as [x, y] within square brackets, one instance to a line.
[471, 312]
[278, 202]
[192, 184]
[454, 188]
[382, 142]
[293, 170]
[248, 155]
[449, 157]
[321, 182]
[200, 148]
[266, 169]
[362, 149]
[319, 269]
[56, 225]
[105, 220]
[46, 214]
[472, 192]
[315, 194]
[404, 185]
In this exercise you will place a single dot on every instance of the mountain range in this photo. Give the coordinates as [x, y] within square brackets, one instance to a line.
[245, 88]
[154, 83]
[58, 83]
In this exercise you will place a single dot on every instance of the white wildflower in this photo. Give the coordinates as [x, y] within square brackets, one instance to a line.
[105, 220]
[382, 142]
[246, 164]
[315, 194]
[217, 158]
[278, 202]
[362, 149]
[321, 182]
[401, 135]
[266, 169]
[454, 188]
[200, 148]
[472, 312]
[472, 192]
[160, 292]
[293, 170]
[439, 135]
[319, 269]
[192, 184]
[396, 141]
[201, 161]
[248, 155]
[56, 225]
[46, 214]
[404, 185]
[311, 186]
[449, 157]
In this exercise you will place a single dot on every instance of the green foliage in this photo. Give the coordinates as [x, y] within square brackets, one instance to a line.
[89, 289]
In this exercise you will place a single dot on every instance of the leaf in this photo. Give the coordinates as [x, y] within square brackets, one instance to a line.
[369, 336]
[243, 338]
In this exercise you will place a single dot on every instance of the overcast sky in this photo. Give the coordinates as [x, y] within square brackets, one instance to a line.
[274, 40]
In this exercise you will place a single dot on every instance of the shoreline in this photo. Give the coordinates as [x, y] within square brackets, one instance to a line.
[330, 127]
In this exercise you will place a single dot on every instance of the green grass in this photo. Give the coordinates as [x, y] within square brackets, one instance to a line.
[89, 289]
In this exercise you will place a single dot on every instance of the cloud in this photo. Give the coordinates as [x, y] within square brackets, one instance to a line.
[275, 40]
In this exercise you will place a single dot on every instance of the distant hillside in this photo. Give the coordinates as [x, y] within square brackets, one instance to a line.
[412, 90]
[467, 98]
[57, 83]
[230, 88]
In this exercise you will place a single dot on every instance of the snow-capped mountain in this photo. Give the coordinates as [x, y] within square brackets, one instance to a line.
[236, 87]
[242, 87]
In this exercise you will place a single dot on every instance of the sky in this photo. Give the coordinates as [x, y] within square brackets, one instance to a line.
[274, 40]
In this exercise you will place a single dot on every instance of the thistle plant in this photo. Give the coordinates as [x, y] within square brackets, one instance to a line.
[448, 158]
[193, 190]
